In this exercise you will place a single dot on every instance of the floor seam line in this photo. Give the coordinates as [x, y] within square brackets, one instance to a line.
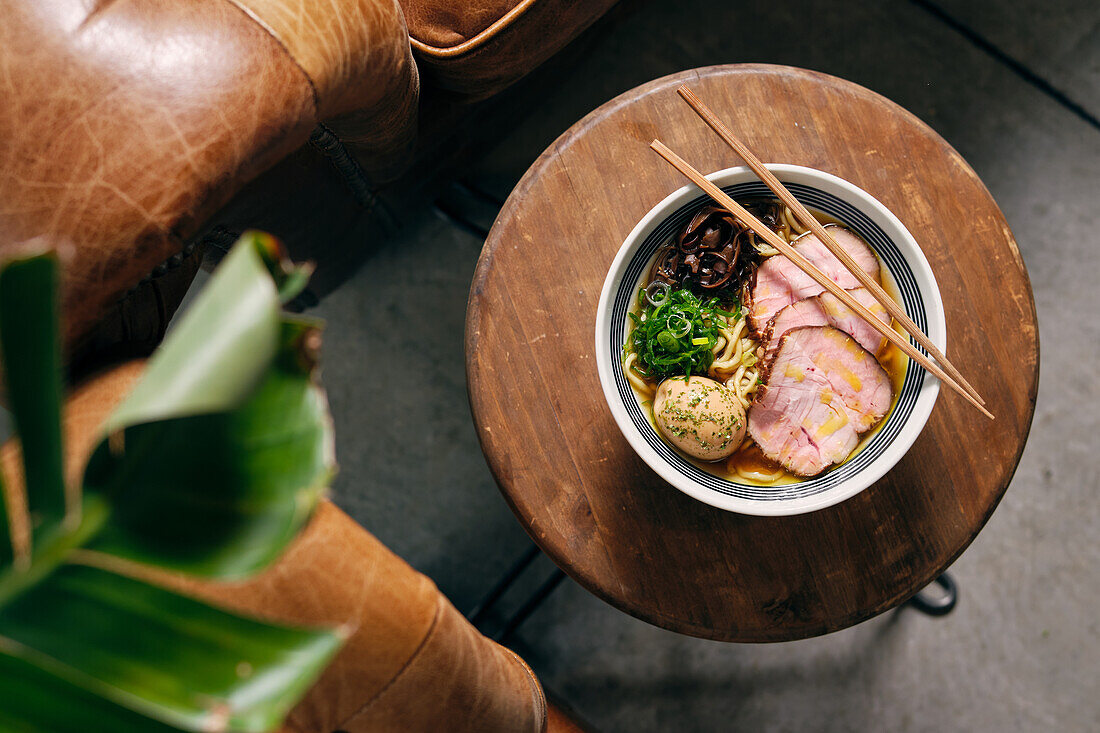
[1003, 57]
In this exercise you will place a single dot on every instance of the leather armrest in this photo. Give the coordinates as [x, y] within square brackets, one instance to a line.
[126, 125]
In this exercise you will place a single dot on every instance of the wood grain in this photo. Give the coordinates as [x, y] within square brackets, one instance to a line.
[572, 479]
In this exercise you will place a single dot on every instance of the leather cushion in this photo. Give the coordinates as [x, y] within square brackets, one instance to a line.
[480, 48]
[440, 24]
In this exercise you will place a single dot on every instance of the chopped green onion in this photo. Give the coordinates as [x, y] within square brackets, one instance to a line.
[678, 326]
[673, 335]
[657, 292]
[668, 342]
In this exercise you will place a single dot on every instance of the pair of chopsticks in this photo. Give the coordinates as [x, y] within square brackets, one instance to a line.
[808, 220]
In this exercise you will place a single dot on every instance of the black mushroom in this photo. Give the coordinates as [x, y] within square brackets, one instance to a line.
[714, 251]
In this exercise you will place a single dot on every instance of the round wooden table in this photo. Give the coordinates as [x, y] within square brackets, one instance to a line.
[596, 509]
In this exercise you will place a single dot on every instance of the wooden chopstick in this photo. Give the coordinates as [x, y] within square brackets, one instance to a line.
[808, 267]
[810, 221]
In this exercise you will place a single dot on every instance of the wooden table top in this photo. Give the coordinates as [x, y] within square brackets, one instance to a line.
[586, 498]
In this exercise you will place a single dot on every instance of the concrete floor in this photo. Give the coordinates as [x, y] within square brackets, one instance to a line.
[1022, 650]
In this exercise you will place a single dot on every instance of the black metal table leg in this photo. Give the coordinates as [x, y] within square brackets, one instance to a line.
[937, 605]
[500, 629]
[478, 613]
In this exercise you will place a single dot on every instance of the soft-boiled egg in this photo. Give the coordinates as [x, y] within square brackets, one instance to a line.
[700, 416]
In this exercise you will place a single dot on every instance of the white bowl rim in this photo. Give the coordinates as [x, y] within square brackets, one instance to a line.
[926, 283]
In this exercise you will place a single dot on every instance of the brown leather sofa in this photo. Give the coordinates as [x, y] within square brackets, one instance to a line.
[132, 130]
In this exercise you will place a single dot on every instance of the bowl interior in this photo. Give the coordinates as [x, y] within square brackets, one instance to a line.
[915, 287]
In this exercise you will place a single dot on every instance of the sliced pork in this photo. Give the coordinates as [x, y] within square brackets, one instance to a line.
[827, 310]
[779, 282]
[822, 391]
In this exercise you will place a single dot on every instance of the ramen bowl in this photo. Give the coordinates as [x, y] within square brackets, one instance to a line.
[910, 278]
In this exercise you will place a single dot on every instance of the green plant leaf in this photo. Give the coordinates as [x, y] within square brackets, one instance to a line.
[223, 449]
[53, 549]
[290, 278]
[161, 654]
[32, 363]
[210, 466]
[214, 358]
[34, 701]
[7, 550]
[221, 495]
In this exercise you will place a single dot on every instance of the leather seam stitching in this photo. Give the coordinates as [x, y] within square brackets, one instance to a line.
[346, 166]
[404, 667]
[536, 686]
[167, 265]
[479, 39]
[294, 59]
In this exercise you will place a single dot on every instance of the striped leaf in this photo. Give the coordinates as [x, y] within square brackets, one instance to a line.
[160, 654]
[35, 701]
